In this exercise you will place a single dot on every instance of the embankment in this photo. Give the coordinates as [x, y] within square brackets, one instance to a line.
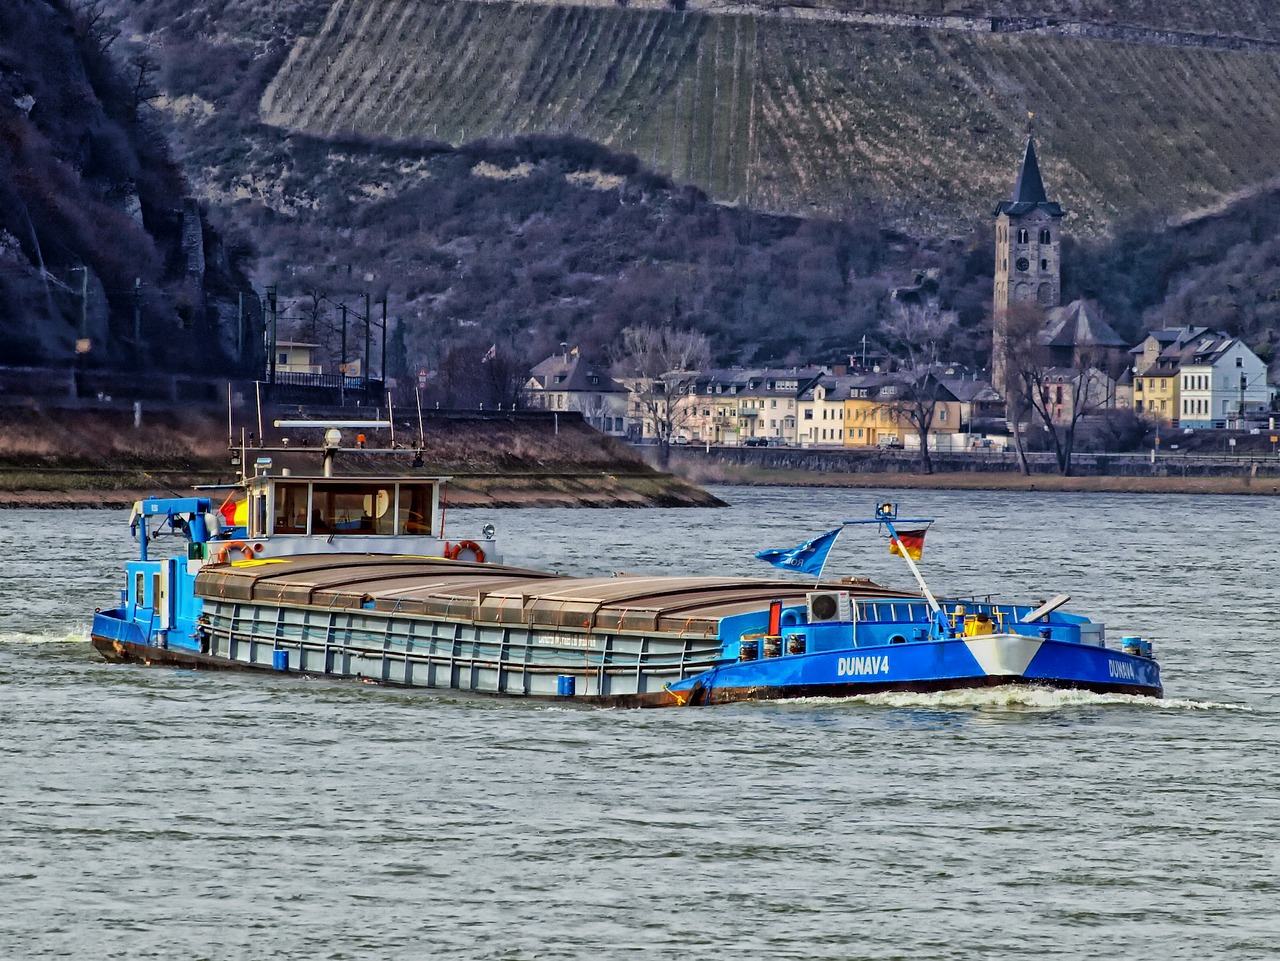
[1167, 473]
[97, 456]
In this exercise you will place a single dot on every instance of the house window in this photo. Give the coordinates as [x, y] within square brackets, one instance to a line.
[808, 413]
[1045, 238]
[1044, 264]
[774, 403]
[942, 415]
[1239, 361]
[1022, 235]
[284, 359]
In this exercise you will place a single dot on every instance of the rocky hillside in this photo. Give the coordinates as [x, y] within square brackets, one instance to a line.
[316, 126]
[105, 257]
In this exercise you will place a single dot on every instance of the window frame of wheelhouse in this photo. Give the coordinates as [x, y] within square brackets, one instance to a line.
[333, 506]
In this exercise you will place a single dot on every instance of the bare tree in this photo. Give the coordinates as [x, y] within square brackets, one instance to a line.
[919, 333]
[143, 68]
[658, 364]
[1058, 397]
[503, 378]
[916, 395]
[93, 22]
[1016, 334]
[595, 409]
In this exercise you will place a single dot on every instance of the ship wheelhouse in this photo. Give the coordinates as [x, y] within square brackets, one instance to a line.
[343, 506]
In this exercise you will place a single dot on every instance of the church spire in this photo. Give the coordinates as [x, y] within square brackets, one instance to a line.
[1028, 191]
[1029, 188]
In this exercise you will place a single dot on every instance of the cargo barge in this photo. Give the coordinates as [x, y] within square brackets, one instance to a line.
[351, 577]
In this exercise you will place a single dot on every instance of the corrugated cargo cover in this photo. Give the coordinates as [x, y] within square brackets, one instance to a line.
[498, 594]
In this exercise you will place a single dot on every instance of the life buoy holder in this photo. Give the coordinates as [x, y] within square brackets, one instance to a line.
[453, 552]
[224, 554]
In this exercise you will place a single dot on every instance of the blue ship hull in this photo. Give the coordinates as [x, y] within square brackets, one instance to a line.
[937, 665]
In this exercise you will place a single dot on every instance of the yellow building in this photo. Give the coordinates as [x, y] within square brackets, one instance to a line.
[871, 418]
[1155, 395]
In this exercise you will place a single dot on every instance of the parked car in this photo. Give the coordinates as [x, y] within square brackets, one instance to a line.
[756, 442]
[889, 443]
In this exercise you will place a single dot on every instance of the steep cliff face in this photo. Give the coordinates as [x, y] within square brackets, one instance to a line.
[93, 261]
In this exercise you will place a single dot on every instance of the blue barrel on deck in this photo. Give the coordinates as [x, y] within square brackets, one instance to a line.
[280, 660]
[566, 685]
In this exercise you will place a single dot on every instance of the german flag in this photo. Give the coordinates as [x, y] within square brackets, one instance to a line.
[911, 541]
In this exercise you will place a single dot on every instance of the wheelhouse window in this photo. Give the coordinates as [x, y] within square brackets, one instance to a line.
[291, 509]
[415, 509]
[352, 509]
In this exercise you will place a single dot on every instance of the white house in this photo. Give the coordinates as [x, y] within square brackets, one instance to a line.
[566, 382]
[295, 357]
[1222, 383]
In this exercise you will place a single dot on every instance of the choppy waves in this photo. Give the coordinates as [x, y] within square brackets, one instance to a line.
[75, 636]
[1018, 697]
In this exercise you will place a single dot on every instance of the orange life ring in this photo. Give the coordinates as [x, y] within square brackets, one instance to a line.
[453, 552]
[224, 554]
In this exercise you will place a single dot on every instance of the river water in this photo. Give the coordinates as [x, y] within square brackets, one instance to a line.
[157, 813]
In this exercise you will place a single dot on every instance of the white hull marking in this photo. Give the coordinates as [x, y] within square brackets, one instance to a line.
[873, 664]
[1003, 654]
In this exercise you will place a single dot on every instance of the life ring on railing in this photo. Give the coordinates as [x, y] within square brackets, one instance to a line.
[453, 552]
[224, 554]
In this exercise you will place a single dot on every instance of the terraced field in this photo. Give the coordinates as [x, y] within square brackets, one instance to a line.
[796, 115]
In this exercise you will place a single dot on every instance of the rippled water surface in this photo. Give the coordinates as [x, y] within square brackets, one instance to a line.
[155, 813]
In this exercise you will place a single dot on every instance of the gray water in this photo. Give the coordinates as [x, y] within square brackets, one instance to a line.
[156, 813]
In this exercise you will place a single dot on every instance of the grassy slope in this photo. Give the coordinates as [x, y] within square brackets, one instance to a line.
[93, 457]
[791, 114]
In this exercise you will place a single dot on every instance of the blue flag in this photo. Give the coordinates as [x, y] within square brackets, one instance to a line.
[808, 558]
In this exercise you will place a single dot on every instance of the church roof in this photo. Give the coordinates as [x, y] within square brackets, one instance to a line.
[1028, 191]
[1079, 324]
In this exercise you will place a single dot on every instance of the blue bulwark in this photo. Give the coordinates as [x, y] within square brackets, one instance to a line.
[170, 507]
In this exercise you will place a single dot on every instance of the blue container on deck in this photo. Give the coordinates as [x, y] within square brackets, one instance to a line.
[280, 660]
[565, 685]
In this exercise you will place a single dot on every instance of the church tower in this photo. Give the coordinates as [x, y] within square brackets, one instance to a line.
[1028, 247]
